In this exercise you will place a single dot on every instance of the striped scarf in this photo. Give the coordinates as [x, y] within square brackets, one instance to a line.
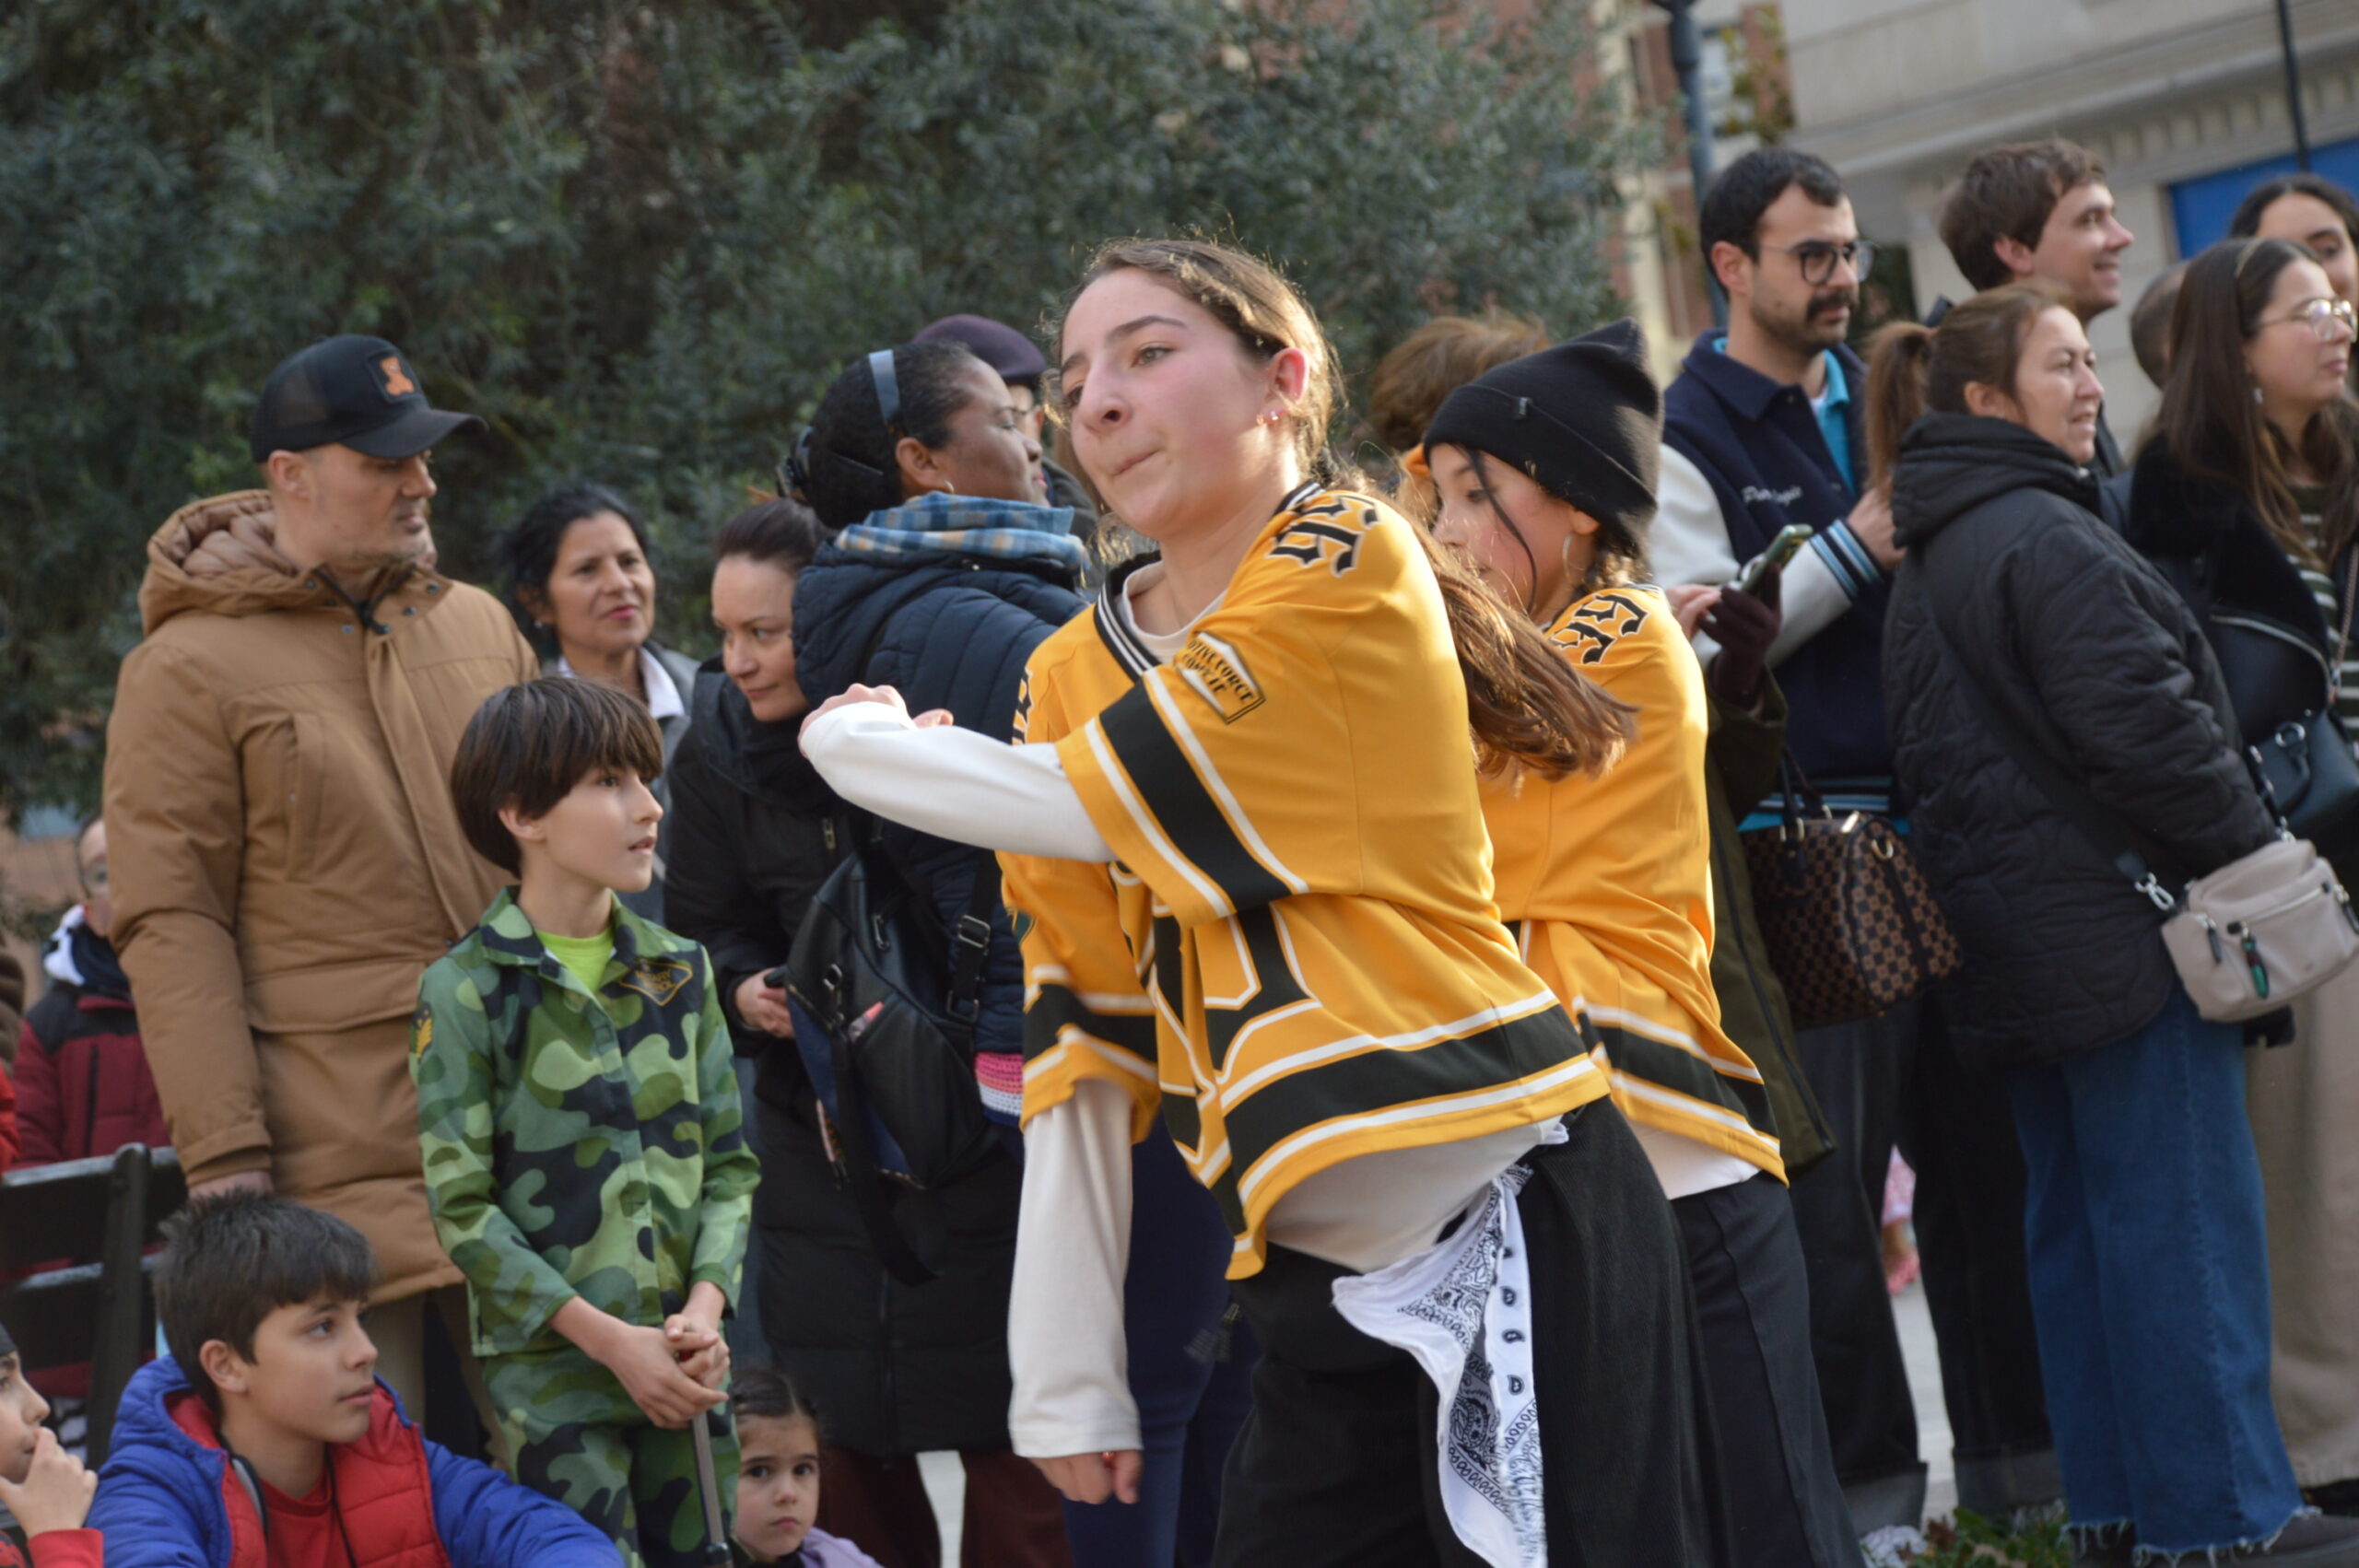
[940, 524]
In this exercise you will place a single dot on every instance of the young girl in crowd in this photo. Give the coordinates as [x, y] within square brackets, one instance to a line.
[1546, 468]
[778, 1477]
[2250, 504]
[2144, 1226]
[1249, 852]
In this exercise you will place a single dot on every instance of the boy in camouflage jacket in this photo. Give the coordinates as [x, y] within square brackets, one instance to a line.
[583, 1136]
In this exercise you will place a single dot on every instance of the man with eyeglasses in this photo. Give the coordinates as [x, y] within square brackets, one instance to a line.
[2042, 209]
[1762, 430]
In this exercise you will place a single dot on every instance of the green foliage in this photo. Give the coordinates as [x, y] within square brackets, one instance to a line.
[639, 241]
[1969, 1541]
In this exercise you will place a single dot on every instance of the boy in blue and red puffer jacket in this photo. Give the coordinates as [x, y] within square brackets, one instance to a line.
[265, 1440]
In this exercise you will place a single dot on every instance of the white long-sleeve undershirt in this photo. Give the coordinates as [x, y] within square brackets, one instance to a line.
[953, 783]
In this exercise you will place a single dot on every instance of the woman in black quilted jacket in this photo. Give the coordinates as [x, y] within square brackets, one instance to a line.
[2144, 1223]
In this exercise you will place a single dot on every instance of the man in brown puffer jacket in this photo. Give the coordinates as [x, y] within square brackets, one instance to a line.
[285, 853]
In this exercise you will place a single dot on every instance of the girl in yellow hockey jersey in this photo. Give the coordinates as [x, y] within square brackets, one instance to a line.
[1244, 838]
[1546, 469]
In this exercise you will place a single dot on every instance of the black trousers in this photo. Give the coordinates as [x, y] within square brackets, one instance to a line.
[1957, 1129]
[1854, 1068]
[1744, 1258]
[1336, 1463]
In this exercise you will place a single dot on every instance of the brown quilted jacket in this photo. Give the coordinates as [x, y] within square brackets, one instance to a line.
[286, 859]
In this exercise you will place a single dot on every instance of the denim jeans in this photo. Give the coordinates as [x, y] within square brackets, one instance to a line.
[2145, 1232]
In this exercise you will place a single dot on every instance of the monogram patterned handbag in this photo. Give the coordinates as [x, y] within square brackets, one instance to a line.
[1845, 910]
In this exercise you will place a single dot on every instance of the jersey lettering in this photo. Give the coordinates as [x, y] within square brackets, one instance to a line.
[1328, 530]
[1603, 620]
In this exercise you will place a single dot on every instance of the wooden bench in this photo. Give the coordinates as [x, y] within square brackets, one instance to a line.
[73, 1269]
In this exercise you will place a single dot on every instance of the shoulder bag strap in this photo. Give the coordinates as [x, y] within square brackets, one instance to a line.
[2098, 826]
[2342, 634]
[970, 942]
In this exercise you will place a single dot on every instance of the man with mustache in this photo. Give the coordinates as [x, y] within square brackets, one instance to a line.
[1763, 429]
[285, 855]
[2042, 209]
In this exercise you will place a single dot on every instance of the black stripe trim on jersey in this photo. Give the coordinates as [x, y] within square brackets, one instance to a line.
[1277, 986]
[1113, 628]
[1668, 1066]
[1167, 782]
[1056, 1007]
[1378, 1080]
[1181, 1116]
[1170, 966]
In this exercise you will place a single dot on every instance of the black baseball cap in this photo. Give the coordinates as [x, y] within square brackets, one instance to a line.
[358, 391]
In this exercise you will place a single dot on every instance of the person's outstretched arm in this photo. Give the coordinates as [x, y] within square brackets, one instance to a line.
[949, 782]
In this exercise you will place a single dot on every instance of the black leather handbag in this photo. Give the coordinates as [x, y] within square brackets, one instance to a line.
[885, 1003]
[2305, 766]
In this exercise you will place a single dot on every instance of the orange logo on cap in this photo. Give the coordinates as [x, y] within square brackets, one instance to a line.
[396, 383]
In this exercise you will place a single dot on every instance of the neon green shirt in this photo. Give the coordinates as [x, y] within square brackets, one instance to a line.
[583, 956]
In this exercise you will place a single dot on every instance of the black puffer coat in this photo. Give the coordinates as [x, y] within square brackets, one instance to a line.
[2085, 646]
[950, 631]
[896, 1369]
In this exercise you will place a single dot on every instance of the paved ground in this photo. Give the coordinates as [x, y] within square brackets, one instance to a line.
[946, 1482]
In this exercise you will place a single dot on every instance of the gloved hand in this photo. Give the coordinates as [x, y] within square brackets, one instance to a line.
[1744, 625]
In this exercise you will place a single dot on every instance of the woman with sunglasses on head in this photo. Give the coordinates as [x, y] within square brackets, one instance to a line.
[1546, 469]
[1248, 846]
[2246, 494]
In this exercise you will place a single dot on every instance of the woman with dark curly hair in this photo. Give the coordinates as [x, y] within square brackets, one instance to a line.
[576, 572]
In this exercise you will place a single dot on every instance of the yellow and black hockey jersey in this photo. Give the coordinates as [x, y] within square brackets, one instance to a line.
[1295, 955]
[1608, 881]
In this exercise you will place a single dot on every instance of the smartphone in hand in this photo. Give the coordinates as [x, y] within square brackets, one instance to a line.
[1782, 549]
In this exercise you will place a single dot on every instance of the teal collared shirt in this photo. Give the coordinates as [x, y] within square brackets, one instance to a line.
[1832, 423]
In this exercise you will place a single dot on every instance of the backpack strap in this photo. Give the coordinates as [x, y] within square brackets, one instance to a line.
[970, 934]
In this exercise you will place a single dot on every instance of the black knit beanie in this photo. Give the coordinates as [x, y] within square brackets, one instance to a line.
[1584, 419]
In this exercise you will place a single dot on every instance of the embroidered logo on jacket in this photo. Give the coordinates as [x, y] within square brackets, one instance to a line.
[658, 979]
[1219, 675]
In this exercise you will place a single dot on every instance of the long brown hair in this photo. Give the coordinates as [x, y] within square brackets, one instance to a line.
[2212, 422]
[1527, 705]
[1915, 370]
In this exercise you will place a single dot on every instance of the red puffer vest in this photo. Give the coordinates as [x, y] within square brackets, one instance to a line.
[83, 1087]
[382, 1492]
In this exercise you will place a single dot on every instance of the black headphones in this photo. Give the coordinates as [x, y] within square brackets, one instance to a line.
[795, 473]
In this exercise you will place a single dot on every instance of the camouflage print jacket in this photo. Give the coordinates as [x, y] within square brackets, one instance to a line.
[573, 1148]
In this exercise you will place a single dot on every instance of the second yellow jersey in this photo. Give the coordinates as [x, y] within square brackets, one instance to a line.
[1609, 880]
[1296, 957]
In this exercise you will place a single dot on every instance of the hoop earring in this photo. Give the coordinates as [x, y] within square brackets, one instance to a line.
[2258, 396]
